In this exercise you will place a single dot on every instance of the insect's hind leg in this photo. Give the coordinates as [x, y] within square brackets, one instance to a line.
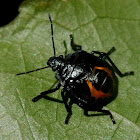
[117, 70]
[74, 46]
[103, 55]
[35, 99]
[105, 112]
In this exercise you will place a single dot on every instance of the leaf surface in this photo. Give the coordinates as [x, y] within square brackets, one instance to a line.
[25, 44]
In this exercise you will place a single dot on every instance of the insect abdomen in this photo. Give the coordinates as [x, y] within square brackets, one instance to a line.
[100, 83]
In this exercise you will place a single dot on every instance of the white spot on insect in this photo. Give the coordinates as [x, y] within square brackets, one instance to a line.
[74, 73]
[77, 71]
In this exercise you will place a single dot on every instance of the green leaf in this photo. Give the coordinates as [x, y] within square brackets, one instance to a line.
[25, 44]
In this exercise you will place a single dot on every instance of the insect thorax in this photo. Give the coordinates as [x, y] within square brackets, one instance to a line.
[71, 74]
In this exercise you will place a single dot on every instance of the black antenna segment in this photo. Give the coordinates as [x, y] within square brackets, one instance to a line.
[32, 70]
[52, 34]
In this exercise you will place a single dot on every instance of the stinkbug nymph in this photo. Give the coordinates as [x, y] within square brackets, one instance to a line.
[87, 79]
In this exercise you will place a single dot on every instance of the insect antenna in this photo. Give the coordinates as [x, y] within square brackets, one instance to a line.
[32, 70]
[53, 50]
[52, 34]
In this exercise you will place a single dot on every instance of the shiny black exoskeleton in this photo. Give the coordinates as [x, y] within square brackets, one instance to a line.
[88, 80]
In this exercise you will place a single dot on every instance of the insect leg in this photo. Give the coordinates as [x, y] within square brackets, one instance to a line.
[74, 46]
[106, 55]
[65, 47]
[102, 54]
[117, 70]
[86, 113]
[107, 112]
[46, 92]
[69, 113]
[68, 107]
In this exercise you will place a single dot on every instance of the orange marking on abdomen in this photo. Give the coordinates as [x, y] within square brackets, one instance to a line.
[97, 93]
[104, 69]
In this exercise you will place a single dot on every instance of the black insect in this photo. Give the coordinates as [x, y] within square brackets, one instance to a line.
[88, 80]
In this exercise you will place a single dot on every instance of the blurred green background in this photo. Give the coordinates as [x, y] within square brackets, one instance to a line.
[25, 44]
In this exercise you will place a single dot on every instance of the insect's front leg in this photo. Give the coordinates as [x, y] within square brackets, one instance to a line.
[68, 107]
[46, 92]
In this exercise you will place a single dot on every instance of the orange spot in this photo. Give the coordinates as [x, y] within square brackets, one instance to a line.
[97, 93]
[109, 72]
